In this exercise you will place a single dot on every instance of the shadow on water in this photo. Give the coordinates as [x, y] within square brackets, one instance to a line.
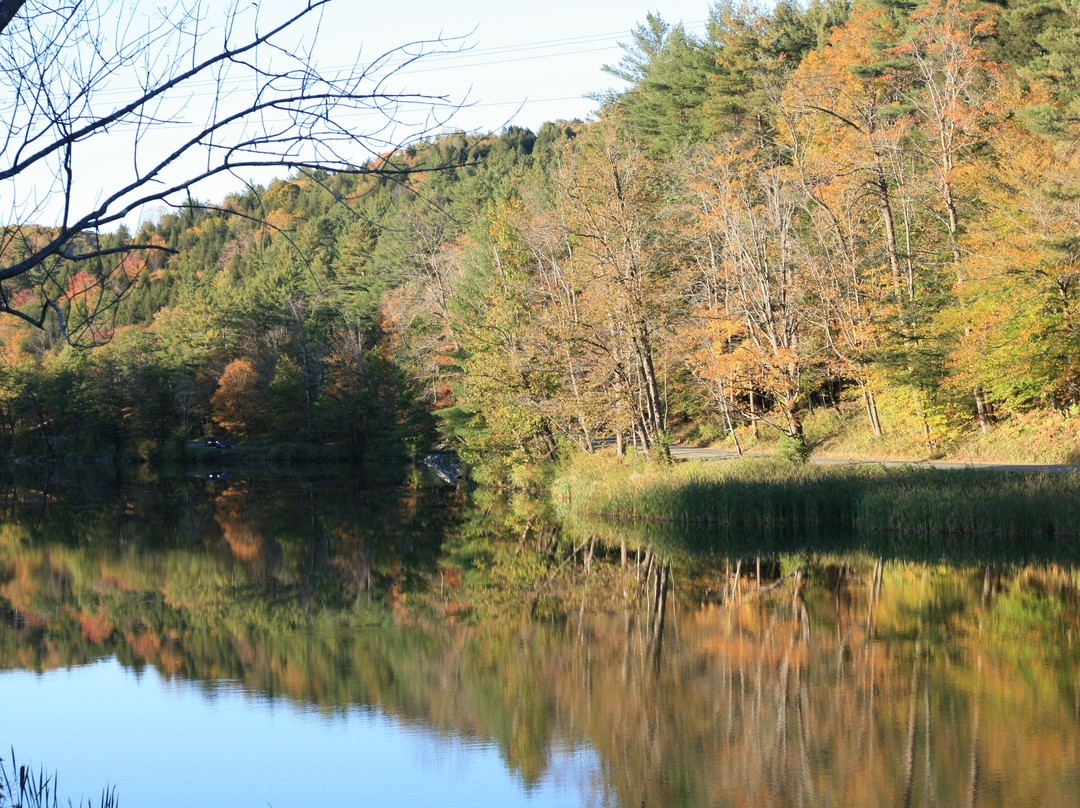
[705, 541]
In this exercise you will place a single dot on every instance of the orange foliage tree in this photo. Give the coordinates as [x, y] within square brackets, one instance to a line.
[239, 397]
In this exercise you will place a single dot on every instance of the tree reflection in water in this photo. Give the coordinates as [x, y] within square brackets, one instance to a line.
[772, 670]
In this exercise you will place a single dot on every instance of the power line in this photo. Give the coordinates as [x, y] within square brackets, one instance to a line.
[470, 58]
[429, 62]
[372, 113]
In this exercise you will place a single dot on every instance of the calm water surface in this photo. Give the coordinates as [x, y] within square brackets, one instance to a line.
[167, 742]
[293, 642]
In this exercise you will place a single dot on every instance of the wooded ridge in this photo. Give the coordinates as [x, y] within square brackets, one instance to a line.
[871, 205]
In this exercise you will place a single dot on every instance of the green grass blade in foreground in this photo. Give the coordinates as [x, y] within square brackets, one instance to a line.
[21, 787]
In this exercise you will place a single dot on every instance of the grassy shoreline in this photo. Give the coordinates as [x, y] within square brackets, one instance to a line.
[773, 492]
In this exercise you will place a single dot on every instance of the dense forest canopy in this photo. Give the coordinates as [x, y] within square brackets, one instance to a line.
[872, 205]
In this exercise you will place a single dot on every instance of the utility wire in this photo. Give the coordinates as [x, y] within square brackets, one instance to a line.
[459, 59]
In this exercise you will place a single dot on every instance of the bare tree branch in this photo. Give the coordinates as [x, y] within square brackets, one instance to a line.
[174, 98]
[8, 9]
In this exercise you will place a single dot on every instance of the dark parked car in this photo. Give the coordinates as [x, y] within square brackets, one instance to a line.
[210, 443]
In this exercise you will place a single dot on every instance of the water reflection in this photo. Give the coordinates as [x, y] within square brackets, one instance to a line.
[846, 671]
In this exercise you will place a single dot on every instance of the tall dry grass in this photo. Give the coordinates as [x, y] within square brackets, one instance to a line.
[759, 492]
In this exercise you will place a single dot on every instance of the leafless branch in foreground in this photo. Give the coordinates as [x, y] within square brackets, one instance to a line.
[168, 100]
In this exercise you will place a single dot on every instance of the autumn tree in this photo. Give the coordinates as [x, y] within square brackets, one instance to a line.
[850, 128]
[559, 306]
[755, 340]
[956, 95]
[838, 222]
[622, 265]
[237, 404]
[1017, 316]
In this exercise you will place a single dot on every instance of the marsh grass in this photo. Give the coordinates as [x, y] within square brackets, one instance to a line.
[909, 502]
[22, 787]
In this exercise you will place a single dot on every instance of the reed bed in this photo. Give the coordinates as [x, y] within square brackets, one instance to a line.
[909, 502]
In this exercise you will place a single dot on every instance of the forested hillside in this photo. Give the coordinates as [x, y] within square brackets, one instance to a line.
[874, 205]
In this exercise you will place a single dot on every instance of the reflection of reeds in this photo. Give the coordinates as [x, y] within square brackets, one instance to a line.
[21, 787]
[912, 502]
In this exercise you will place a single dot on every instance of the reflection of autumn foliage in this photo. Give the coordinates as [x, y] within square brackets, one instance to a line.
[171, 660]
[96, 626]
[836, 676]
[761, 699]
[19, 585]
[145, 644]
[233, 515]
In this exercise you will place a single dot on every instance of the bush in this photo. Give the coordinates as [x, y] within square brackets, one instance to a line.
[794, 450]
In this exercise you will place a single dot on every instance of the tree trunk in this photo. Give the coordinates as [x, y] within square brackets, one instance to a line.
[871, 410]
[727, 418]
[982, 410]
[885, 203]
[643, 348]
[793, 415]
[834, 400]
[589, 446]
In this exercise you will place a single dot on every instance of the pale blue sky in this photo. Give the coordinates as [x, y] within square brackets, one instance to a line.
[515, 63]
[522, 63]
[546, 55]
